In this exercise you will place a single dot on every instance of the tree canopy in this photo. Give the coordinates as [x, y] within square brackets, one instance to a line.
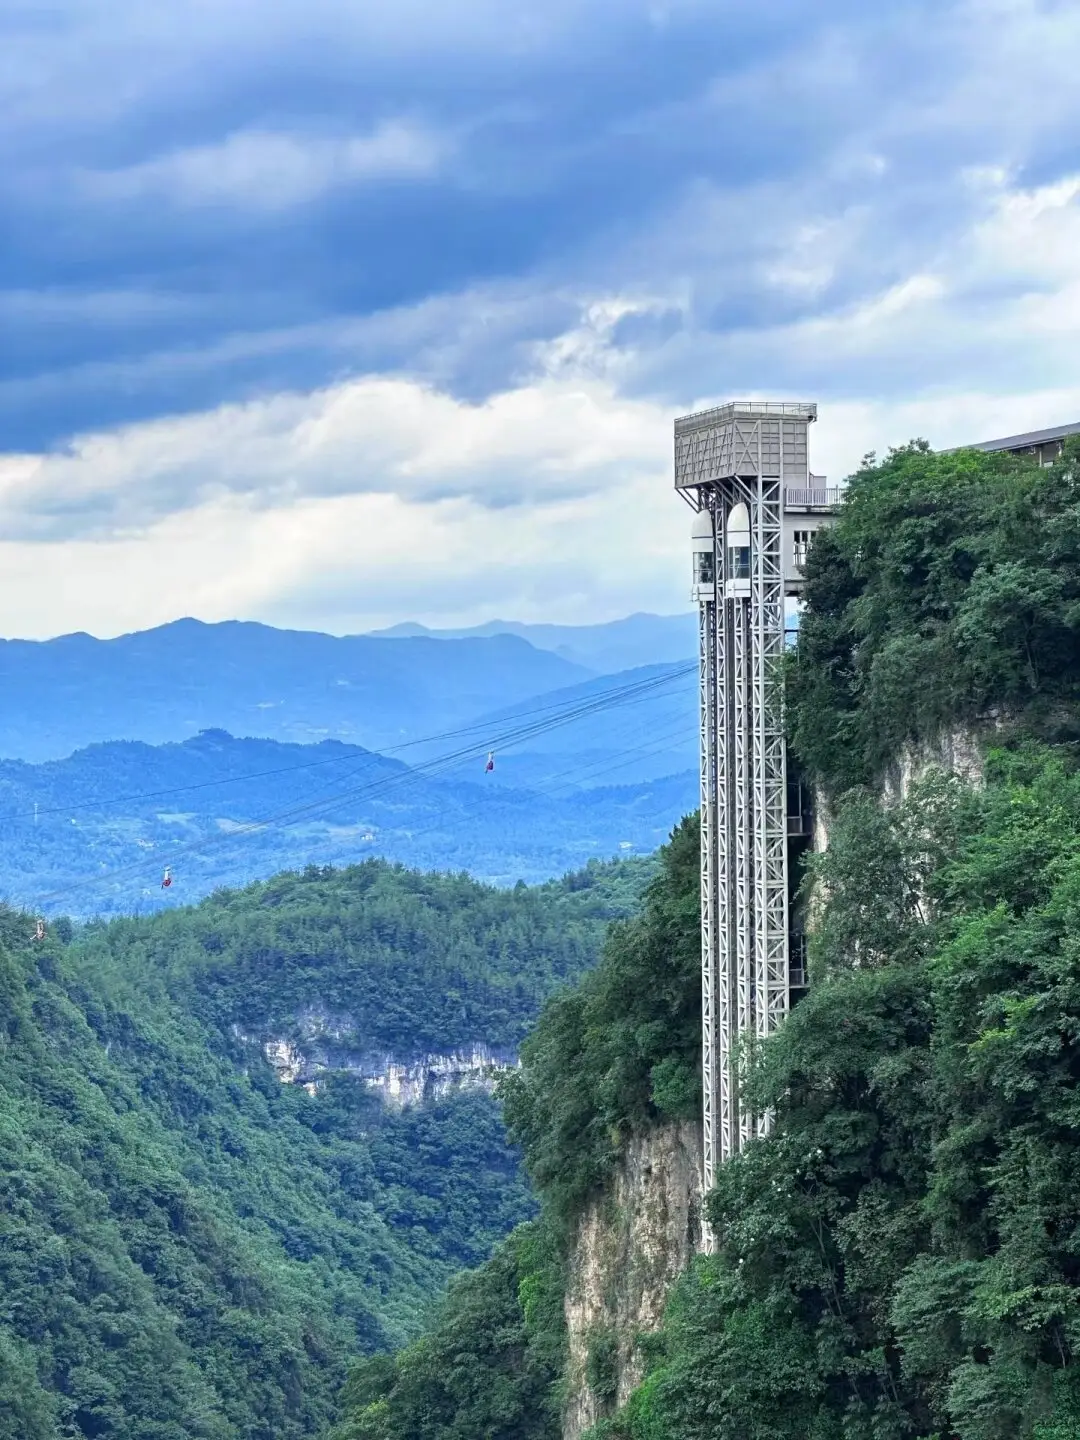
[898, 1259]
[947, 592]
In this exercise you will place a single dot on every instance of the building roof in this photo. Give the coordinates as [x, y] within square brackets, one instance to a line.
[1028, 441]
[746, 410]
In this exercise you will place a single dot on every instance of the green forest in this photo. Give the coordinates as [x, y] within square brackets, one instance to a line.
[190, 1248]
[901, 1257]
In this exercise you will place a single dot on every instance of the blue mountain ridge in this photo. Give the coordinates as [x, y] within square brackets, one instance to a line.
[625, 644]
[301, 686]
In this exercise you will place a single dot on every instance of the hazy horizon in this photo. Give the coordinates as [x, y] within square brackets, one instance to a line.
[688, 613]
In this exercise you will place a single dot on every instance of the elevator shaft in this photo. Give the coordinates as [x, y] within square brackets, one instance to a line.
[744, 469]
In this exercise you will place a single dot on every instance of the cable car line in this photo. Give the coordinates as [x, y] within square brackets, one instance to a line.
[440, 764]
[653, 746]
[628, 694]
[369, 758]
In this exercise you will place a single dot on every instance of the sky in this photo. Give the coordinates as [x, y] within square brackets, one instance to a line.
[335, 313]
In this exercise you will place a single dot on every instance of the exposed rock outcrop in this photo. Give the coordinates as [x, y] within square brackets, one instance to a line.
[322, 1042]
[957, 751]
[631, 1244]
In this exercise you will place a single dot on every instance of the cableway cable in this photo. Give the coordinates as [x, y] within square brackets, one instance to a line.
[627, 694]
[368, 758]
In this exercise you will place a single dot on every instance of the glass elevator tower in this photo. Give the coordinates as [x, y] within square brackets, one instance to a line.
[744, 469]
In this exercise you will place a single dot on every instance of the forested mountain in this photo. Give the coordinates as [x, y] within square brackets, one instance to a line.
[191, 1248]
[297, 686]
[90, 834]
[171, 682]
[618, 1051]
[899, 1257]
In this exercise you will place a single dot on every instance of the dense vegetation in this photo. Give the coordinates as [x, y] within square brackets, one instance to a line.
[407, 962]
[617, 1050]
[949, 590]
[621, 1048]
[488, 1367]
[191, 1248]
[900, 1259]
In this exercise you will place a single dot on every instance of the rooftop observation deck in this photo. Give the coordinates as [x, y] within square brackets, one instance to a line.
[744, 439]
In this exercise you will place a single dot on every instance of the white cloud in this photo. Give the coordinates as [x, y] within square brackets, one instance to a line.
[354, 562]
[605, 536]
[269, 170]
[559, 436]
[382, 497]
[848, 429]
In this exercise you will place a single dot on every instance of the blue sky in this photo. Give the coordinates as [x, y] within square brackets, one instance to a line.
[336, 314]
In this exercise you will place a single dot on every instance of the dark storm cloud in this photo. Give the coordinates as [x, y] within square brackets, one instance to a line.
[209, 202]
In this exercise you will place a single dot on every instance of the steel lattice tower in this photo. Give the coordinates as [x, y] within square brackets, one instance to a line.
[744, 468]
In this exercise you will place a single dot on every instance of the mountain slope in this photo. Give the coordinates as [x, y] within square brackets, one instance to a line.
[898, 1256]
[169, 683]
[652, 731]
[190, 1248]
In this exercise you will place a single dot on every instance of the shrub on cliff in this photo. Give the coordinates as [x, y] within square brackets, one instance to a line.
[489, 1366]
[899, 1257]
[619, 1049]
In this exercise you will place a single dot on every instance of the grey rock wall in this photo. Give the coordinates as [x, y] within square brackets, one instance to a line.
[631, 1245]
[318, 1043]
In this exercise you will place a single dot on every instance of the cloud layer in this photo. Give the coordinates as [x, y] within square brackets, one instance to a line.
[294, 290]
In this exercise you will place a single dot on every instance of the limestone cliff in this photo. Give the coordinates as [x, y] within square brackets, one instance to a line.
[631, 1244]
[320, 1042]
[634, 1241]
[957, 751]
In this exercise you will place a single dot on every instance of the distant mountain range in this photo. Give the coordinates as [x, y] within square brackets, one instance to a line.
[167, 684]
[613, 729]
[122, 756]
[90, 834]
[617, 645]
[170, 683]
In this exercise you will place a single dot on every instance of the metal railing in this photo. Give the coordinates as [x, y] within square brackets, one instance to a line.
[806, 498]
[749, 409]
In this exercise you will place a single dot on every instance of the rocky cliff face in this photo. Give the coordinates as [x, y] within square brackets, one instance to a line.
[631, 1245]
[633, 1242]
[957, 752]
[321, 1042]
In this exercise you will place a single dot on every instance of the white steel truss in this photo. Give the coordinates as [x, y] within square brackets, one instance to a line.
[744, 791]
[750, 455]
[713, 1053]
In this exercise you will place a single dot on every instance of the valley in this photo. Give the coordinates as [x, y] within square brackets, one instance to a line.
[90, 834]
[297, 687]
[197, 1238]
